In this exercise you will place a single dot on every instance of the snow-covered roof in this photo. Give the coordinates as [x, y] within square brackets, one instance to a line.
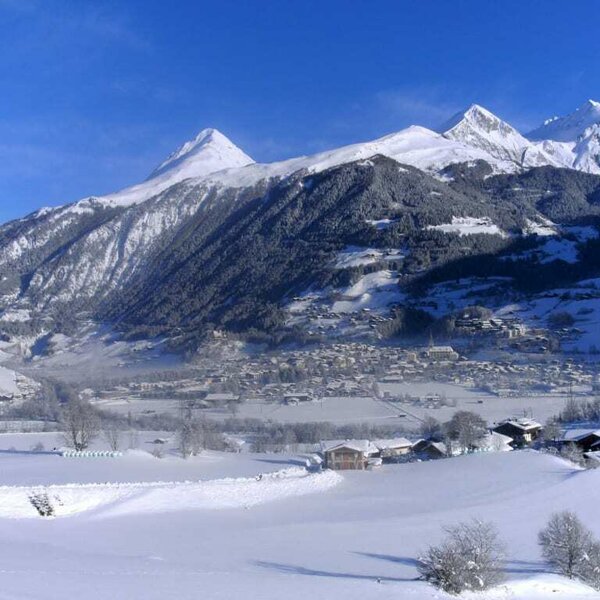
[364, 446]
[495, 441]
[524, 424]
[439, 446]
[574, 435]
[388, 443]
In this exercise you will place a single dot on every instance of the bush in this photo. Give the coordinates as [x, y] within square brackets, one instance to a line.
[470, 558]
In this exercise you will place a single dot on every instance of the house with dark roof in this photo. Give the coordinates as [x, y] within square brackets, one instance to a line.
[522, 431]
[588, 440]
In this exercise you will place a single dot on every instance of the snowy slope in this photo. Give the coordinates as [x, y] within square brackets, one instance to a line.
[357, 540]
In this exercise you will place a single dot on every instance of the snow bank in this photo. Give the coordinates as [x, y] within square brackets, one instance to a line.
[152, 497]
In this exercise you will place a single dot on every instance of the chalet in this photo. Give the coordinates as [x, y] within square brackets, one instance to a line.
[522, 431]
[586, 439]
[342, 455]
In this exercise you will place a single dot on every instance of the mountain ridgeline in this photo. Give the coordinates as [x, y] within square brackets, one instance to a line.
[214, 240]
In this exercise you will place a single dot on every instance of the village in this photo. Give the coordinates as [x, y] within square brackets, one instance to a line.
[408, 382]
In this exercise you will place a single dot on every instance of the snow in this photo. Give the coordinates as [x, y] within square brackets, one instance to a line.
[381, 224]
[119, 499]
[359, 445]
[356, 256]
[415, 146]
[557, 248]
[375, 291]
[543, 228]
[570, 127]
[15, 315]
[469, 226]
[477, 127]
[208, 152]
[8, 382]
[554, 249]
[352, 535]
[573, 139]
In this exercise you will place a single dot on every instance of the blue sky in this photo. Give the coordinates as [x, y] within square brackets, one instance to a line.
[94, 93]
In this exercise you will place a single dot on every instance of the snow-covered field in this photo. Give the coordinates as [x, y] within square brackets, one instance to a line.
[367, 409]
[290, 535]
[491, 407]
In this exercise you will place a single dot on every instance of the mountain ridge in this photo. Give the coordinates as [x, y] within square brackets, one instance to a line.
[229, 247]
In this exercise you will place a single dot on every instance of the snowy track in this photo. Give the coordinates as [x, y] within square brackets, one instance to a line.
[128, 498]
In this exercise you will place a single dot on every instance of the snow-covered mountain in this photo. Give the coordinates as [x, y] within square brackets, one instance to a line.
[570, 127]
[574, 139]
[208, 152]
[212, 236]
[477, 127]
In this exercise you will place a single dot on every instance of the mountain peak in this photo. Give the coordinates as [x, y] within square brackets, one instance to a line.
[209, 151]
[570, 127]
[475, 115]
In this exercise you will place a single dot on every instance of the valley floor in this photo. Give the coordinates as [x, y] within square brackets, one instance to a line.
[286, 535]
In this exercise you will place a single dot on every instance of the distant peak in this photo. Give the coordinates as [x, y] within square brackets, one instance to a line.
[570, 127]
[475, 115]
[209, 148]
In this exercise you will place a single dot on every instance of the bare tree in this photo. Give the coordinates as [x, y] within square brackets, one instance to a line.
[470, 558]
[466, 428]
[431, 429]
[134, 439]
[80, 424]
[191, 433]
[112, 435]
[566, 543]
[233, 407]
[573, 453]
[552, 432]
[591, 570]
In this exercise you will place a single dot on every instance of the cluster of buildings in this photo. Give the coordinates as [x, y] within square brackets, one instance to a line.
[509, 434]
